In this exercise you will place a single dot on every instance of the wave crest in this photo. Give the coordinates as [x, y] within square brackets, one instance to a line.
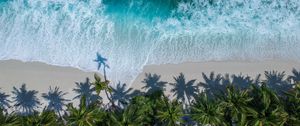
[132, 34]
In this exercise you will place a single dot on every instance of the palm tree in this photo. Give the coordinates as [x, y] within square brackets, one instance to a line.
[154, 101]
[85, 115]
[275, 80]
[153, 83]
[45, 118]
[103, 86]
[292, 105]
[295, 77]
[85, 89]
[121, 94]
[126, 117]
[148, 106]
[235, 104]
[4, 102]
[184, 90]
[8, 119]
[207, 111]
[268, 107]
[212, 84]
[152, 109]
[171, 113]
[141, 109]
[25, 100]
[55, 100]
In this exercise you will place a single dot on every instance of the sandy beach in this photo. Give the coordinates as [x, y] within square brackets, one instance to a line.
[39, 76]
[161, 62]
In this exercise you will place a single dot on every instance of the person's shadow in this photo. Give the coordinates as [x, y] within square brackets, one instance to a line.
[26, 101]
[87, 90]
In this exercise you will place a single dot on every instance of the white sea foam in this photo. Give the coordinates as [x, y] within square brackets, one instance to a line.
[130, 36]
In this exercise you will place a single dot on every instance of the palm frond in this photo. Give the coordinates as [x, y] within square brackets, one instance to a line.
[153, 83]
[55, 99]
[4, 102]
[121, 94]
[87, 90]
[26, 101]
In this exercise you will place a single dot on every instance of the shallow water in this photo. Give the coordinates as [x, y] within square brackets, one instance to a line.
[135, 33]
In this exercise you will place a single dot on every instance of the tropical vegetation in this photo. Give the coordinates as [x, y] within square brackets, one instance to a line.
[217, 100]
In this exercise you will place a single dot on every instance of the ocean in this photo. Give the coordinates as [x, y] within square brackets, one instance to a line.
[135, 33]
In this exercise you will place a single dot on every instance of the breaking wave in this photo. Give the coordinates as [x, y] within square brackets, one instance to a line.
[135, 33]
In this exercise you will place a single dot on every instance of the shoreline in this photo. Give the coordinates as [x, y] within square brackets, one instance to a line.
[39, 76]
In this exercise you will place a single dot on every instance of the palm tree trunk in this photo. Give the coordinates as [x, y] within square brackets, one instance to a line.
[110, 100]
[62, 119]
[105, 79]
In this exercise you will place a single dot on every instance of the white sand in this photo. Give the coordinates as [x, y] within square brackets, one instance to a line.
[40, 76]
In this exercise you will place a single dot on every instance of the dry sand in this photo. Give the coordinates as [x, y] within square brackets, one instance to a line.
[40, 76]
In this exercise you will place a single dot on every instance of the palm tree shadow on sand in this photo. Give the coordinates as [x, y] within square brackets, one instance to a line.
[295, 78]
[99, 86]
[55, 100]
[101, 61]
[153, 83]
[86, 89]
[276, 81]
[242, 82]
[26, 101]
[4, 102]
[184, 90]
[121, 94]
[215, 84]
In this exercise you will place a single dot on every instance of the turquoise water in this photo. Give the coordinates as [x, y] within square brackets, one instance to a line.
[135, 33]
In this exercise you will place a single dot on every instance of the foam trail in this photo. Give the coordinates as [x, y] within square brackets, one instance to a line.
[132, 33]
